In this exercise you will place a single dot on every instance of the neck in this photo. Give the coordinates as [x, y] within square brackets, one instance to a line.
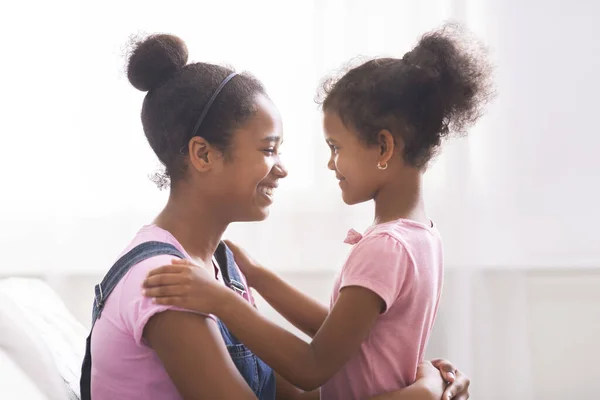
[193, 223]
[402, 198]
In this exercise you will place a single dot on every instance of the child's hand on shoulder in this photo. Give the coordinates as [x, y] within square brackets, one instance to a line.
[186, 285]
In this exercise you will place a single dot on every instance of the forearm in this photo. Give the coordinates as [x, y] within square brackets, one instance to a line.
[287, 391]
[290, 356]
[420, 390]
[300, 310]
[312, 395]
[302, 395]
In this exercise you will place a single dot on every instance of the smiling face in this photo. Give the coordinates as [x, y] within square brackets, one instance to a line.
[241, 182]
[354, 162]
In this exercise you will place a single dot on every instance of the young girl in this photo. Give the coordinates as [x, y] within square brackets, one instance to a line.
[383, 121]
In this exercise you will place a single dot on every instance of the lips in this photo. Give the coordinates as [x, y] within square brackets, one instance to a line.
[267, 189]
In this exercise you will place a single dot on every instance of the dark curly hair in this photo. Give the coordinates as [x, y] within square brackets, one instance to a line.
[438, 88]
[177, 94]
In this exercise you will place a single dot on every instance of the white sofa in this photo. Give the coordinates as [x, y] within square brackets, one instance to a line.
[41, 343]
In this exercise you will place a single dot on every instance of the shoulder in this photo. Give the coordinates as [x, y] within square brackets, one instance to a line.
[128, 300]
[131, 283]
[378, 245]
[400, 237]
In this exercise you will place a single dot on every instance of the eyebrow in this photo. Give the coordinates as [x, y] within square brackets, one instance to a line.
[270, 139]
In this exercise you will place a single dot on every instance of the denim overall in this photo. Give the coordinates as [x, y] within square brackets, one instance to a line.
[256, 373]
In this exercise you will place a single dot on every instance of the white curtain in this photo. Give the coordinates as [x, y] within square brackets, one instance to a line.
[521, 192]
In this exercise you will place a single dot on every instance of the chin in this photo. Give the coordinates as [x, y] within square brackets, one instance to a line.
[352, 200]
[255, 215]
[263, 214]
[349, 200]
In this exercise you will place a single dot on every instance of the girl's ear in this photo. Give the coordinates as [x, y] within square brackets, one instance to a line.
[387, 145]
[202, 155]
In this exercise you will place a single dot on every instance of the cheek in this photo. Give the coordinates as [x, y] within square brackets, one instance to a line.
[253, 171]
[358, 171]
[339, 161]
[261, 168]
[348, 165]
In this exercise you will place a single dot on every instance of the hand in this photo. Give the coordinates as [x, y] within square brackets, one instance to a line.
[246, 264]
[186, 285]
[429, 376]
[458, 383]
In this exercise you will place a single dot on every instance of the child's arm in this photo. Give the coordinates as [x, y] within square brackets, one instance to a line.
[286, 391]
[300, 310]
[429, 385]
[188, 286]
[307, 366]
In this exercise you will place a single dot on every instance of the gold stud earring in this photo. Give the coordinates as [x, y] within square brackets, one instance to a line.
[382, 167]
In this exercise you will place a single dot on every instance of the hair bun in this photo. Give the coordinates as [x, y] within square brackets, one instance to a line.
[154, 60]
[452, 77]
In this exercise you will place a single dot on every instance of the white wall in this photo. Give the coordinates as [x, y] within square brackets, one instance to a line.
[525, 184]
[564, 314]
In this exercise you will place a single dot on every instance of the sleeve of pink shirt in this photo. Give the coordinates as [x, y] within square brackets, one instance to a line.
[379, 263]
[136, 309]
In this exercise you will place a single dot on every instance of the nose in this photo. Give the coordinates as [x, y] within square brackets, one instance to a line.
[331, 163]
[280, 170]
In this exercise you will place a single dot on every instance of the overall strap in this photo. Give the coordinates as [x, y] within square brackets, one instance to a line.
[123, 265]
[229, 271]
[104, 289]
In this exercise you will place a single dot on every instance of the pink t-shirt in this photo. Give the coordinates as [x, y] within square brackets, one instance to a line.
[401, 261]
[123, 365]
